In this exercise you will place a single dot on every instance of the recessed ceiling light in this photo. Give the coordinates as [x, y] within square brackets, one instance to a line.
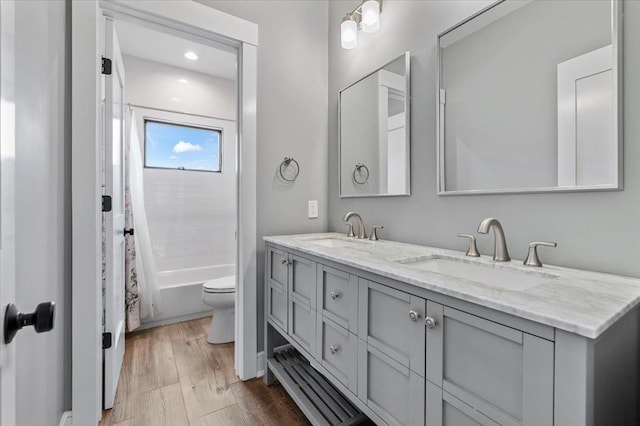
[191, 55]
[175, 99]
[182, 80]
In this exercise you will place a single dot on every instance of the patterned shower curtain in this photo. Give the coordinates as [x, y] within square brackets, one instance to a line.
[132, 293]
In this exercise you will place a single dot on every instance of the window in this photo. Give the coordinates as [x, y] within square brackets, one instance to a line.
[183, 147]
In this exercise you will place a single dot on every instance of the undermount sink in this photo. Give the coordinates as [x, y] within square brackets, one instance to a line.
[503, 277]
[336, 242]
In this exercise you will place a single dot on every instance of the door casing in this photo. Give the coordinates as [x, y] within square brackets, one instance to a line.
[201, 22]
[7, 209]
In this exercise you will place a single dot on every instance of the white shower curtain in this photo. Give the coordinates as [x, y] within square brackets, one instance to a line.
[143, 293]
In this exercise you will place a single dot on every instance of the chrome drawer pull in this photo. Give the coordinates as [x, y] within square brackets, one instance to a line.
[334, 349]
[334, 295]
[414, 315]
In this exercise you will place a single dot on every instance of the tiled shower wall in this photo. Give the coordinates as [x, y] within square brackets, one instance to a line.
[191, 214]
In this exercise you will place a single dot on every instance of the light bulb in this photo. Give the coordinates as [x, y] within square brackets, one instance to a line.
[370, 16]
[349, 32]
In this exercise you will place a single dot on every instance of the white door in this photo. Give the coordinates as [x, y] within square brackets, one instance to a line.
[587, 146]
[114, 308]
[7, 211]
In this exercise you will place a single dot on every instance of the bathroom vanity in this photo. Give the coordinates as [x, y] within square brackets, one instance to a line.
[414, 335]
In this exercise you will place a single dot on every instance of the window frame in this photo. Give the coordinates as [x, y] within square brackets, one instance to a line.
[219, 130]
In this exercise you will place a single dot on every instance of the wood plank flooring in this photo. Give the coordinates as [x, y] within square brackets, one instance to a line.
[172, 376]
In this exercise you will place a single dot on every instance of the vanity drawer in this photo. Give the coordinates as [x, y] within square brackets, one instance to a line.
[336, 350]
[302, 281]
[277, 266]
[302, 324]
[392, 321]
[503, 373]
[338, 297]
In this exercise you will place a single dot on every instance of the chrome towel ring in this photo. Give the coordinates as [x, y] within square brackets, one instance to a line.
[360, 174]
[285, 165]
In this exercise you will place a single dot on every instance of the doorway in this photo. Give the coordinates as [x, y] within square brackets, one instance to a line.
[197, 23]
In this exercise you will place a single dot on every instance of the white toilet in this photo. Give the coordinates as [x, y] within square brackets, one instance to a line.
[220, 294]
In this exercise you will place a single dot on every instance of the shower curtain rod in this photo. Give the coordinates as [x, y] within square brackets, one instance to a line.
[130, 105]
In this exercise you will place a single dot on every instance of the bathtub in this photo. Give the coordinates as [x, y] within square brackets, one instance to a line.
[181, 293]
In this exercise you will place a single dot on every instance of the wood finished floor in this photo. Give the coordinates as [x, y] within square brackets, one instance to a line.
[171, 376]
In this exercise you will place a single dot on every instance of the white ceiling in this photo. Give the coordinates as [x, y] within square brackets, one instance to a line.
[145, 43]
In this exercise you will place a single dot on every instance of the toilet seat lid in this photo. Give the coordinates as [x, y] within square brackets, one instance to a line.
[220, 285]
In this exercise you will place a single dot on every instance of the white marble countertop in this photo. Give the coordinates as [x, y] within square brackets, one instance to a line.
[581, 302]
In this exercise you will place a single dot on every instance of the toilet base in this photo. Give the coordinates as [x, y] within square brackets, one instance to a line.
[222, 328]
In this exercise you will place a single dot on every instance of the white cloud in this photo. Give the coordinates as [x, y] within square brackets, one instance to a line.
[183, 146]
[173, 157]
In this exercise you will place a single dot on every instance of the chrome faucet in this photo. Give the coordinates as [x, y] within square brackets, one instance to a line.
[362, 231]
[500, 253]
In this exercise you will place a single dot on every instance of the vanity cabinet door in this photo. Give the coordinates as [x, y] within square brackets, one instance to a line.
[277, 271]
[392, 321]
[277, 266]
[338, 297]
[337, 351]
[302, 280]
[501, 372]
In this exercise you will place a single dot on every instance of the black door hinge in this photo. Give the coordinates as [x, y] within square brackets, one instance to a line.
[106, 66]
[106, 340]
[106, 203]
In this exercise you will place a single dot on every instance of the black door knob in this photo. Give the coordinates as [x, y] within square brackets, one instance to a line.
[41, 319]
[128, 231]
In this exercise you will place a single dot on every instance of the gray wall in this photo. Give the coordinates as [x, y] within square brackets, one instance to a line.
[594, 231]
[43, 193]
[292, 116]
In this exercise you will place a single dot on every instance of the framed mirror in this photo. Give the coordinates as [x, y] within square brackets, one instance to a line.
[530, 99]
[374, 134]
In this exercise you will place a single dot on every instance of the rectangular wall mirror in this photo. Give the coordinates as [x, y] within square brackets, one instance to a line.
[530, 99]
[374, 135]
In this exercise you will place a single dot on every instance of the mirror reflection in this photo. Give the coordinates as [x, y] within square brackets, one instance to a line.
[529, 99]
[374, 133]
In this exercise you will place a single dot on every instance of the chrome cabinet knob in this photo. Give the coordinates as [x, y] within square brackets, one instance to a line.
[334, 349]
[334, 295]
[430, 322]
[414, 315]
[284, 261]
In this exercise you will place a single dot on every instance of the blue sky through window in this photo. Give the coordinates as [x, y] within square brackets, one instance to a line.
[174, 146]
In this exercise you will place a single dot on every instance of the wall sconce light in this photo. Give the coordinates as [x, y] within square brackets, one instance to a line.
[365, 17]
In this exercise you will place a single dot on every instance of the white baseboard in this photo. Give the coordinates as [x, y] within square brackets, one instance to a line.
[261, 361]
[167, 321]
[261, 364]
[66, 420]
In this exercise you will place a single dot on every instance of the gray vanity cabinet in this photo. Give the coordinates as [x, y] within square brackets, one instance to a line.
[391, 353]
[504, 375]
